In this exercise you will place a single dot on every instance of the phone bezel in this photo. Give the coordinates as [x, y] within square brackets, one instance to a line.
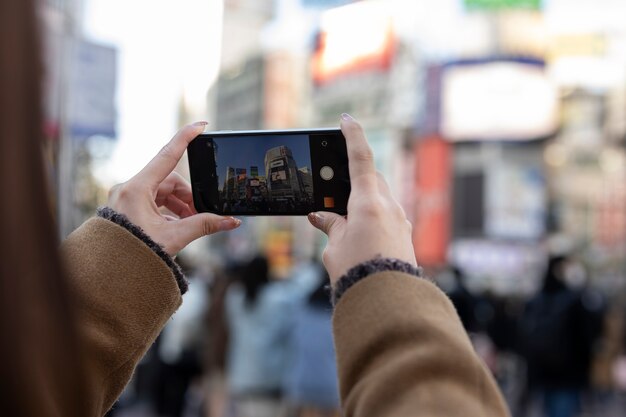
[318, 183]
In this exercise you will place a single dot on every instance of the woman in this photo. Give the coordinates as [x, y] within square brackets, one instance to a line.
[71, 337]
[260, 315]
[311, 381]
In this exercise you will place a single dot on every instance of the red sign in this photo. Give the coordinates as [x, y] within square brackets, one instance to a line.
[431, 231]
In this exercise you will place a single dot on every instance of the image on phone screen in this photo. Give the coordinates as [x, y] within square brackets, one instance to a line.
[269, 173]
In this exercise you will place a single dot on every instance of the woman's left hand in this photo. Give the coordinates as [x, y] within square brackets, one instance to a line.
[157, 185]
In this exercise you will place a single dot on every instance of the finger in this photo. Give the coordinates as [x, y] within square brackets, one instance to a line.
[383, 187]
[178, 186]
[385, 191]
[203, 224]
[178, 207]
[166, 160]
[360, 155]
[326, 222]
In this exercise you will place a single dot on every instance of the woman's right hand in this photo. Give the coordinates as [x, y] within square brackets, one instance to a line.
[376, 225]
[157, 185]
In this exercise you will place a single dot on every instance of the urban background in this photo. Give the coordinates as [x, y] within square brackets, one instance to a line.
[499, 124]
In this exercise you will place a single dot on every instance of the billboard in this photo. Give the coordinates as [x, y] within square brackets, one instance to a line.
[497, 99]
[279, 175]
[503, 4]
[323, 4]
[241, 174]
[92, 84]
[516, 202]
[368, 45]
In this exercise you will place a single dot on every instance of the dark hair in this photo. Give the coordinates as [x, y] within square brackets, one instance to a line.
[552, 282]
[459, 276]
[254, 276]
[40, 361]
[320, 297]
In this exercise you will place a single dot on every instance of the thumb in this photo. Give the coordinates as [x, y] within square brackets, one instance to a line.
[326, 221]
[203, 224]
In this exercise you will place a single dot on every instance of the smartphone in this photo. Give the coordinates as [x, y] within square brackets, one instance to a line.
[270, 172]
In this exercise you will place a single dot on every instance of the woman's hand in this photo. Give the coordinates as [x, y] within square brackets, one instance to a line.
[376, 225]
[156, 185]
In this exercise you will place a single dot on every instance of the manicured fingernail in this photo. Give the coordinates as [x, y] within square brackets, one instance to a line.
[200, 124]
[346, 116]
[315, 219]
[230, 223]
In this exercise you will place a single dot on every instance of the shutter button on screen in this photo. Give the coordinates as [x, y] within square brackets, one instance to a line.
[327, 173]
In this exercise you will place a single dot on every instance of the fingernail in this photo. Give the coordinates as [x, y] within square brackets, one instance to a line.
[200, 124]
[230, 223]
[346, 116]
[315, 219]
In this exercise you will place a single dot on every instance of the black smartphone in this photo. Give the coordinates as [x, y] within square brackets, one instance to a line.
[270, 172]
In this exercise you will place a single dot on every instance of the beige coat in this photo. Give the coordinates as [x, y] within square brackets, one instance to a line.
[401, 349]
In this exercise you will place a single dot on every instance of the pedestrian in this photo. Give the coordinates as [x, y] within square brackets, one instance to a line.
[464, 302]
[311, 380]
[181, 347]
[557, 333]
[260, 316]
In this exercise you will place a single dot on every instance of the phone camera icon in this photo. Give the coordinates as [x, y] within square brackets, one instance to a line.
[324, 143]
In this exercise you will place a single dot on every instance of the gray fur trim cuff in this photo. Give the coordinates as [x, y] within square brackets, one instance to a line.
[364, 269]
[120, 219]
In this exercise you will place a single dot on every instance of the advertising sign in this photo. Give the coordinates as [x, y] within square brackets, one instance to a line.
[503, 4]
[431, 229]
[92, 90]
[503, 267]
[516, 202]
[279, 175]
[499, 99]
[323, 4]
[241, 173]
[367, 46]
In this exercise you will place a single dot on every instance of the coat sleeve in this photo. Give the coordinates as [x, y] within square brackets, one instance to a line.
[401, 350]
[124, 294]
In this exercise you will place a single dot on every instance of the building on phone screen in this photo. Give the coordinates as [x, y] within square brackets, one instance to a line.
[284, 181]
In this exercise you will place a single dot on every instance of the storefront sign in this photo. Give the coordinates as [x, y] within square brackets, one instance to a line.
[503, 4]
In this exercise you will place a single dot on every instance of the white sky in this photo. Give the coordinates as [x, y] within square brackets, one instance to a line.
[165, 49]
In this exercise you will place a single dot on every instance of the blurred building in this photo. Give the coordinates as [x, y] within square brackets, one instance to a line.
[263, 91]
[243, 21]
[494, 137]
[80, 116]
[240, 96]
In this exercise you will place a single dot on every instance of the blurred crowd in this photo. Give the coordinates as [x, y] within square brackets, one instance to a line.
[557, 353]
[246, 343]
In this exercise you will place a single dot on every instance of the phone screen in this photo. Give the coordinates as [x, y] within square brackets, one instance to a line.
[270, 172]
